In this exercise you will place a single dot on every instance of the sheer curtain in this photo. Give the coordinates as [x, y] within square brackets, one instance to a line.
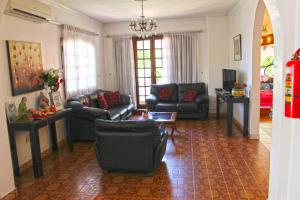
[79, 59]
[181, 57]
[124, 65]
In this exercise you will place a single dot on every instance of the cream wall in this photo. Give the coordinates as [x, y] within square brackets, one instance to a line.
[285, 162]
[48, 35]
[213, 47]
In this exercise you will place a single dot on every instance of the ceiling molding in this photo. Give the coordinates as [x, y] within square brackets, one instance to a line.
[237, 6]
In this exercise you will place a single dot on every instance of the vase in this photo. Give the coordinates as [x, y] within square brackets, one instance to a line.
[52, 104]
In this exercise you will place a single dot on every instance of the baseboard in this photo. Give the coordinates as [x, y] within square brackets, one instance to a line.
[11, 195]
[44, 154]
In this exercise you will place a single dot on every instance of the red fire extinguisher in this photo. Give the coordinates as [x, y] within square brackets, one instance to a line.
[292, 81]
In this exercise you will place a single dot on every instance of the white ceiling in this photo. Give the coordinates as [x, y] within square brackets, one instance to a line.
[121, 10]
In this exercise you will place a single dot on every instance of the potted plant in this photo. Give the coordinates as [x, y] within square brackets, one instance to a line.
[239, 89]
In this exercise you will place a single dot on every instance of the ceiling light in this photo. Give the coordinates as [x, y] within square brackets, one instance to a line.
[142, 27]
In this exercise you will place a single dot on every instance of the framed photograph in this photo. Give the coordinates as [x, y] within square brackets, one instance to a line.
[237, 47]
[57, 101]
[11, 111]
[25, 66]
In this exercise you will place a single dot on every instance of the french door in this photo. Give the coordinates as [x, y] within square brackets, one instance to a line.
[148, 57]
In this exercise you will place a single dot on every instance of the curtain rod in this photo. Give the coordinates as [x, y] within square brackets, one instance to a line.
[130, 35]
[82, 30]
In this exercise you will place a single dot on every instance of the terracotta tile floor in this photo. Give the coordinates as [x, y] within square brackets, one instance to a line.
[200, 163]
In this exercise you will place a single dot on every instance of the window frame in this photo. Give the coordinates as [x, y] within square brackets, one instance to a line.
[152, 61]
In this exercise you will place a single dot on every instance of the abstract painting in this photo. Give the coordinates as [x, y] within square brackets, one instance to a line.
[25, 65]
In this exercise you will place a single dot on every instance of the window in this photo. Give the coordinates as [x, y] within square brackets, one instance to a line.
[148, 56]
[79, 56]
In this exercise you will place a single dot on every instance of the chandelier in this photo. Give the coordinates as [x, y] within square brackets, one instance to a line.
[142, 27]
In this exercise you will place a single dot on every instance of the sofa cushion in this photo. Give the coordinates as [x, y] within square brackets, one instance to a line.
[166, 107]
[94, 100]
[112, 98]
[91, 114]
[155, 90]
[187, 107]
[102, 102]
[182, 88]
[165, 94]
[118, 112]
[190, 95]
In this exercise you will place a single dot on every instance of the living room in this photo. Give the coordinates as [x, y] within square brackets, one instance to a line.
[216, 24]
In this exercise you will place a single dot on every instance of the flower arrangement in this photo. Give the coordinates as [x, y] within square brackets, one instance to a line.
[52, 79]
[239, 89]
[239, 85]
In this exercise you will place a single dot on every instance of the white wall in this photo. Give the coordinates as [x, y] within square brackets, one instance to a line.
[213, 47]
[48, 35]
[285, 162]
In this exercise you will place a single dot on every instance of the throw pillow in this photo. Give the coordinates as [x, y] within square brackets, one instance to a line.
[113, 98]
[190, 96]
[102, 102]
[165, 94]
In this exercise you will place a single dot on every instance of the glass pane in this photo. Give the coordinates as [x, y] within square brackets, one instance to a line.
[140, 54]
[141, 73]
[159, 72]
[147, 91]
[148, 81]
[159, 80]
[158, 62]
[147, 63]
[141, 64]
[140, 45]
[158, 44]
[141, 90]
[142, 100]
[158, 53]
[141, 82]
[147, 72]
[146, 44]
[147, 53]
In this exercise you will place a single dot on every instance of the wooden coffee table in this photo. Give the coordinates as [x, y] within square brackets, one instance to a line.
[168, 119]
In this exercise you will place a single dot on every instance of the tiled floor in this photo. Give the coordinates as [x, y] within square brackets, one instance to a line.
[201, 163]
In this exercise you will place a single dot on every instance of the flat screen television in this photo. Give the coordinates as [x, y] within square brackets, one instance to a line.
[229, 78]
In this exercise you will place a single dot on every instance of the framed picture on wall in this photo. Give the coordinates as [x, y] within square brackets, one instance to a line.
[237, 47]
[11, 111]
[25, 66]
[57, 101]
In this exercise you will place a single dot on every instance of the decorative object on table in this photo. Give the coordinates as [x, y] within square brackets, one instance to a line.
[23, 112]
[238, 89]
[57, 101]
[52, 79]
[145, 115]
[143, 27]
[25, 66]
[237, 46]
[43, 103]
[11, 111]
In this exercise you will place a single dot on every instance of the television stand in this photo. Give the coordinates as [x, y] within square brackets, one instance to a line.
[230, 100]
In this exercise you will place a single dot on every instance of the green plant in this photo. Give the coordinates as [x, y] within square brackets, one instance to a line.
[52, 79]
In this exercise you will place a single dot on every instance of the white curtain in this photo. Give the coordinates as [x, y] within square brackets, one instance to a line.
[79, 58]
[181, 57]
[124, 65]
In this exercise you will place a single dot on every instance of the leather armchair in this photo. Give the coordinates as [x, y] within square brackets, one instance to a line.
[137, 146]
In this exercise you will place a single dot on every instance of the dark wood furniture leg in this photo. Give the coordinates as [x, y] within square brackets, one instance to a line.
[36, 152]
[69, 138]
[53, 135]
[229, 118]
[218, 107]
[246, 118]
[13, 149]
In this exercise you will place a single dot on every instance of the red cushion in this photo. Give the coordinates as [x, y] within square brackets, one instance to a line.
[190, 96]
[165, 94]
[112, 98]
[102, 102]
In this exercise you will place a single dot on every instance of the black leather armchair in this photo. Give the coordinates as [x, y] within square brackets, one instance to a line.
[137, 146]
[196, 109]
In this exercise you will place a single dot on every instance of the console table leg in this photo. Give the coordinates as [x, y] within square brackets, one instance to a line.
[52, 130]
[14, 154]
[68, 130]
[36, 153]
[246, 118]
[218, 107]
[229, 118]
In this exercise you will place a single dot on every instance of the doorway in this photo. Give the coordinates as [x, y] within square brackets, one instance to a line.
[267, 58]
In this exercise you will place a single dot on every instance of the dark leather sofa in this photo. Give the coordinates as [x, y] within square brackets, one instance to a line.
[141, 145]
[82, 123]
[185, 110]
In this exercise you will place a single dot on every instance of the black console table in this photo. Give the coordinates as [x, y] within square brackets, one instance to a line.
[230, 100]
[33, 128]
